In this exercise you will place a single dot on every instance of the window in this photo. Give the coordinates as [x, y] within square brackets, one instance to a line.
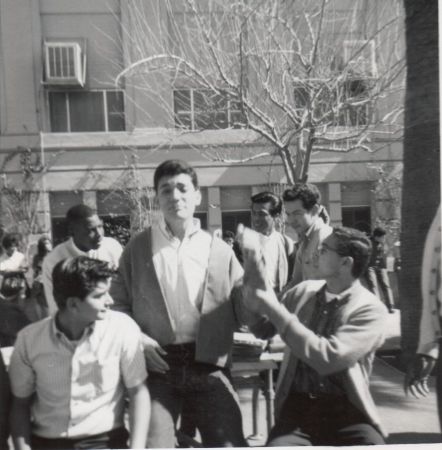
[358, 217]
[231, 219]
[347, 104]
[86, 111]
[203, 109]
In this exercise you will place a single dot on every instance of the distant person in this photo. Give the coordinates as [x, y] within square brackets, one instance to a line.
[12, 259]
[332, 328]
[44, 247]
[306, 215]
[377, 274]
[230, 239]
[428, 350]
[278, 249]
[13, 267]
[71, 373]
[37, 306]
[87, 239]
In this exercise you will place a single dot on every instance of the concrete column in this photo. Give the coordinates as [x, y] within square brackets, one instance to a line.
[90, 199]
[335, 204]
[214, 221]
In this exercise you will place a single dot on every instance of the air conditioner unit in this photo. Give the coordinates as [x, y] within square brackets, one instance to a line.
[65, 64]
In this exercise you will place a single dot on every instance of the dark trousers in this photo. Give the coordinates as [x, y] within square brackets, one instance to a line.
[206, 391]
[326, 421]
[377, 277]
[112, 439]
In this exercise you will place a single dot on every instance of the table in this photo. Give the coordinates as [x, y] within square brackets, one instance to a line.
[266, 364]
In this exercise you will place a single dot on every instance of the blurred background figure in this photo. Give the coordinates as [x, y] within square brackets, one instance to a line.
[44, 246]
[13, 267]
[377, 275]
[37, 306]
[277, 248]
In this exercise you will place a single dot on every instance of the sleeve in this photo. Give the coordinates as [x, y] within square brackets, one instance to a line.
[4, 405]
[47, 285]
[132, 361]
[361, 334]
[21, 373]
[120, 289]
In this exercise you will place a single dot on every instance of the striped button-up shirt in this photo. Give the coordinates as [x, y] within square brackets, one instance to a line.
[78, 386]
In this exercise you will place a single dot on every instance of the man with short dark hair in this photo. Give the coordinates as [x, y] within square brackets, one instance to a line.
[182, 286]
[87, 239]
[70, 373]
[278, 249]
[377, 274]
[331, 327]
[302, 204]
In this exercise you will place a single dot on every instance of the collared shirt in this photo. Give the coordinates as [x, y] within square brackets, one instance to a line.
[110, 250]
[78, 386]
[306, 257]
[271, 250]
[181, 268]
[322, 323]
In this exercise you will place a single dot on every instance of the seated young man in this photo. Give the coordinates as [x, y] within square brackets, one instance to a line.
[332, 328]
[69, 373]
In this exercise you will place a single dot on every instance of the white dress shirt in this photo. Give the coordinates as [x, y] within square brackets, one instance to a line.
[181, 268]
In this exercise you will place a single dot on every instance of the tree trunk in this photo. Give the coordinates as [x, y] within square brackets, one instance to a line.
[421, 180]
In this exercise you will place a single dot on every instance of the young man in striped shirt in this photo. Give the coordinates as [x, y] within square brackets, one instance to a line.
[69, 373]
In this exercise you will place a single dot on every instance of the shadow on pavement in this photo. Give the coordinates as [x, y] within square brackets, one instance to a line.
[414, 438]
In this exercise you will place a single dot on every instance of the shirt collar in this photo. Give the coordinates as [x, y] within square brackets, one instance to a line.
[193, 228]
[342, 296]
[57, 333]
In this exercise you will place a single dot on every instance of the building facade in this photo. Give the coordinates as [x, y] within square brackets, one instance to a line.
[70, 134]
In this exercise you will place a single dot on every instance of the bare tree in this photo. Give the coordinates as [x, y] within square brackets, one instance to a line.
[304, 76]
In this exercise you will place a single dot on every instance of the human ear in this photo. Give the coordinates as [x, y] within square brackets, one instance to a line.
[198, 197]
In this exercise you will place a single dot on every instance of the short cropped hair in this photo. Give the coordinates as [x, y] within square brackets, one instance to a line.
[79, 212]
[78, 277]
[354, 243]
[307, 193]
[171, 168]
[379, 232]
[269, 197]
[228, 235]
[11, 239]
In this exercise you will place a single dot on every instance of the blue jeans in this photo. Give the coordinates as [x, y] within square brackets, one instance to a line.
[211, 403]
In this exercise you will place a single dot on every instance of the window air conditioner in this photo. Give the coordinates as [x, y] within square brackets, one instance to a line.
[65, 64]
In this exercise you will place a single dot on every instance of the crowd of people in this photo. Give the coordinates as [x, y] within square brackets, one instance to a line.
[139, 340]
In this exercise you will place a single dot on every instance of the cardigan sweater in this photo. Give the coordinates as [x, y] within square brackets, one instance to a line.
[136, 291]
[358, 331]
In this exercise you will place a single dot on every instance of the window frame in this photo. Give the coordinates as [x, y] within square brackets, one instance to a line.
[105, 111]
[192, 113]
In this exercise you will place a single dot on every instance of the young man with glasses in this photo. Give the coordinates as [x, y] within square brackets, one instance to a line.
[332, 328]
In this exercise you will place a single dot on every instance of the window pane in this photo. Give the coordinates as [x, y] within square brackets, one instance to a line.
[86, 111]
[115, 111]
[57, 111]
[183, 120]
[181, 100]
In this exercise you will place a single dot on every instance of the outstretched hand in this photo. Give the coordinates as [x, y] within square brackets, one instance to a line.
[418, 373]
